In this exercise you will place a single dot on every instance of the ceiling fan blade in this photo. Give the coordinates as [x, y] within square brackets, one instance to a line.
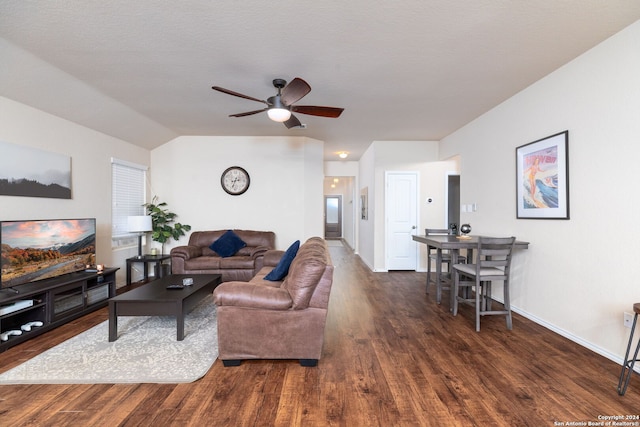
[230, 92]
[315, 110]
[248, 113]
[292, 122]
[294, 91]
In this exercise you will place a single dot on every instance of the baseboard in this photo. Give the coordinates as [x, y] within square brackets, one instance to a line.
[596, 349]
[370, 266]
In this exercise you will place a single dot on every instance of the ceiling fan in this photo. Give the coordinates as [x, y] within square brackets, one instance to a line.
[280, 106]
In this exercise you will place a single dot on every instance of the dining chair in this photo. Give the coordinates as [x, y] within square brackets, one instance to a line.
[440, 257]
[493, 263]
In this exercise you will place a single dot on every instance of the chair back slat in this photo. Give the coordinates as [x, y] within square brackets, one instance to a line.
[493, 262]
[495, 252]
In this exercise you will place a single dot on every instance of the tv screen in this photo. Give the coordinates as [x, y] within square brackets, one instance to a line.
[41, 249]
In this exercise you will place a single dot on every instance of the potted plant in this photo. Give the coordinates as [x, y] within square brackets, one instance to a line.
[163, 223]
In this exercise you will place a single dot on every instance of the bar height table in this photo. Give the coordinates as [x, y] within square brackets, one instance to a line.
[455, 243]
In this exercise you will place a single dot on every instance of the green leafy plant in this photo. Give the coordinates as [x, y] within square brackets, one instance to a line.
[164, 225]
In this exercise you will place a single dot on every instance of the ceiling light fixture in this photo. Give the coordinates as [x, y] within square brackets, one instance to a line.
[343, 154]
[278, 113]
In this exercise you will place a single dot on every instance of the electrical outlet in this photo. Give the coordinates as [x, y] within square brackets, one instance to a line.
[628, 319]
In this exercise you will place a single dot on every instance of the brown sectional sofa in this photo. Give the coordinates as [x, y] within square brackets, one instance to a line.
[198, 258]
[261, 319]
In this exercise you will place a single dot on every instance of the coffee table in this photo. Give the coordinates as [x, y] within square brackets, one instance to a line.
[154, 299]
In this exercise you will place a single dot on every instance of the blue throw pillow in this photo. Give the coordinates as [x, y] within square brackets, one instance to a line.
[228, 244]
[282, 268]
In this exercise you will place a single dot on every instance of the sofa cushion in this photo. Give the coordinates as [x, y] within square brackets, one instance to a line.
[228, 244]
[237, 262]
[203, 263]
[304, 274]
[282, 268]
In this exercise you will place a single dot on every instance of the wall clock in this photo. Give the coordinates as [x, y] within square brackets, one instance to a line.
[235, 180]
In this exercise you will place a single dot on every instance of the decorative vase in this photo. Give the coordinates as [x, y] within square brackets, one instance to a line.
[465, 229]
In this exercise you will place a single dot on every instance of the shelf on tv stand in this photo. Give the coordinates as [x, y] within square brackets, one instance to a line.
[56, 301]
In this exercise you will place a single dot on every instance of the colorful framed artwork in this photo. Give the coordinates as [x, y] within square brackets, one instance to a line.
[542, 178]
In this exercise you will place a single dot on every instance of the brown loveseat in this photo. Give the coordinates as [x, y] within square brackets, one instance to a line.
[262, 319]
[198, 258]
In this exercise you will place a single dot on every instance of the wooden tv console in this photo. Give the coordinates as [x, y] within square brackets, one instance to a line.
[53, 302]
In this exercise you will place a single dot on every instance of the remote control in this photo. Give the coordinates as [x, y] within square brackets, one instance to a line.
[27, 326]
[175, 287]
[5, 335]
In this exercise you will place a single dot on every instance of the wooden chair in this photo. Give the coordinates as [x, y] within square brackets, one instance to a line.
[493, 263]
[627, 364]
[440, 257]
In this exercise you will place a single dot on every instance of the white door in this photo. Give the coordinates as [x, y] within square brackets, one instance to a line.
[401, 211]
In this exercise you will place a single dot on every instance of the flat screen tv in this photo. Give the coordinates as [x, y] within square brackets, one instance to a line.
[42, 249]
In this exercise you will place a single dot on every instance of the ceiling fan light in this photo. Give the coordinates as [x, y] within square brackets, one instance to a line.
[279, 114]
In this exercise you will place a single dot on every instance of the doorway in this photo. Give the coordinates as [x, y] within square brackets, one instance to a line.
[332, 217]
[453, 200]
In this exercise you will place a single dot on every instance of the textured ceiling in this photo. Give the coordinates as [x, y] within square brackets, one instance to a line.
[403, 70]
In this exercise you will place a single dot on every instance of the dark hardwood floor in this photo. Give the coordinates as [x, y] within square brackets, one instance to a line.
[392, 357]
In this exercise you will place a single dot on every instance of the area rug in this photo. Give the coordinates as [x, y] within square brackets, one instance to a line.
[146, 351]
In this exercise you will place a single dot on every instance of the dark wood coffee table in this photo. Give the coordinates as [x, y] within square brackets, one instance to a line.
[154, 299]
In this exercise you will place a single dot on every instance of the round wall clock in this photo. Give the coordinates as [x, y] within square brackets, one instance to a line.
[235, 180]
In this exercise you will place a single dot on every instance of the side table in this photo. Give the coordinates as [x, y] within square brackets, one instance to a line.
[146, 260]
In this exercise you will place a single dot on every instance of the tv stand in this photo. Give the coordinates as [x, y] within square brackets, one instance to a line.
[34, 308]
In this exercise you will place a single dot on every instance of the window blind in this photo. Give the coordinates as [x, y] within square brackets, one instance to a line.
[128, 197]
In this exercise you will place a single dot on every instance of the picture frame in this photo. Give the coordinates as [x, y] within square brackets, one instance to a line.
[542, 178]
[31, 172]
[364, 203]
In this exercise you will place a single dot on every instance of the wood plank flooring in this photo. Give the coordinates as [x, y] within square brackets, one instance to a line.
[392, 357]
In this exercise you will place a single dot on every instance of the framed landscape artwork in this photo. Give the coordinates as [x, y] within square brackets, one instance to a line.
[30, 172]
[542, 178]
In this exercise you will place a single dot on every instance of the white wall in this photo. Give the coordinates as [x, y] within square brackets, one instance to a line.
[573, 277]
[366, 228]
[433, 184]
[90, 153]
[285, 194]
[382, 156]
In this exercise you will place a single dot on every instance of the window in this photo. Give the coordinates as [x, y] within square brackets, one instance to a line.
[128, 188]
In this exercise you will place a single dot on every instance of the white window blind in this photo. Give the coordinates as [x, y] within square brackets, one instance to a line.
[128, 197]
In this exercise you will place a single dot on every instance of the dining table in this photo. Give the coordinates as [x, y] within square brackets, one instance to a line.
[454, 243]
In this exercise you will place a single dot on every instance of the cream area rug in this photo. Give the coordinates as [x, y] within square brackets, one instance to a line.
[146, 351]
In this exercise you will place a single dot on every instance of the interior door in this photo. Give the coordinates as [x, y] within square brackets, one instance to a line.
[401, 211]
[332, 217]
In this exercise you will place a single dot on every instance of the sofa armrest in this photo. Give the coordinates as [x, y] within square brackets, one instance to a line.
[258, 251]
[186, 252]
[272, 257]
[246, 294]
